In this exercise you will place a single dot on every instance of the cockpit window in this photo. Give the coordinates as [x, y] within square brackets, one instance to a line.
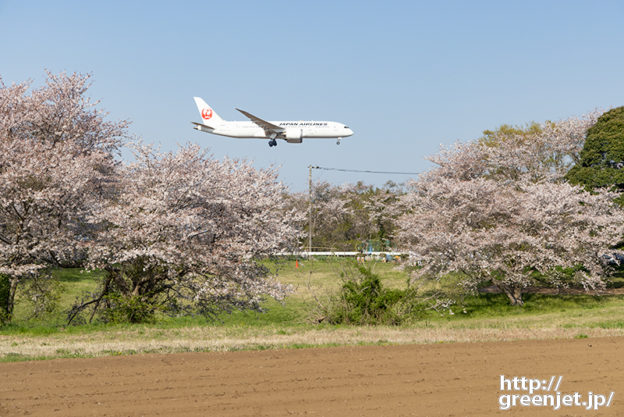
[346, 127]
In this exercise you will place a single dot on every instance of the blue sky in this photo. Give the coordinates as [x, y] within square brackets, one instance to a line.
[406, 76]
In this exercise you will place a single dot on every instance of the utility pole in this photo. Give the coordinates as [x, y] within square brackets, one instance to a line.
[310, 211]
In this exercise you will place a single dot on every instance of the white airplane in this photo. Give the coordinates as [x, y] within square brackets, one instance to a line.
[257, 128]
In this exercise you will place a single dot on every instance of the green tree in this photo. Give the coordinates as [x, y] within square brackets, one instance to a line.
[602, 157]
[346, 217]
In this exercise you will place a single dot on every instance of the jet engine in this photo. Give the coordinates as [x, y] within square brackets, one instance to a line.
[294, 135]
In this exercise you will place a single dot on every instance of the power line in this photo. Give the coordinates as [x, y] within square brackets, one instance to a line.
[364, 171]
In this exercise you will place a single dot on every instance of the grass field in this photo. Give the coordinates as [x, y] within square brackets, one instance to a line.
[290, 324]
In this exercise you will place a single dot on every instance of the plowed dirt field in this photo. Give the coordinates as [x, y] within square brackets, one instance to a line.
[461, 379]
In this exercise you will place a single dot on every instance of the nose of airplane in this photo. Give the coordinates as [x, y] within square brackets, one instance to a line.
[349, 132]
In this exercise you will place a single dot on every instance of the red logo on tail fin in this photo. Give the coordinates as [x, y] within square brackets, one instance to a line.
[206, 114]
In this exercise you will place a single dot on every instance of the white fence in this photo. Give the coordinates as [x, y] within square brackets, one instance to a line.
[306, 254]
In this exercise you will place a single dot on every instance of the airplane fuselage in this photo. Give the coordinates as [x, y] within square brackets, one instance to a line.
[294, 130]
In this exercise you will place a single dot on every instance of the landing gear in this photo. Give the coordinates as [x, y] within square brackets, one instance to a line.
[338, 141]
[272, 143]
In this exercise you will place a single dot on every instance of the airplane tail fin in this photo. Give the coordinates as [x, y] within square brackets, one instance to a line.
[208, 115]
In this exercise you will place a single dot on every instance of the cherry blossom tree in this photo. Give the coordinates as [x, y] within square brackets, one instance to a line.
[56, 151]
[185, 230]
[498, 211]
[539, 152]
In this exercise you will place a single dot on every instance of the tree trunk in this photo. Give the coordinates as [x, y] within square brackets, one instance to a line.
[10, 299]
[514, 294]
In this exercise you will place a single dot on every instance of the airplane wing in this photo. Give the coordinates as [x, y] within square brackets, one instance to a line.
[268, 127]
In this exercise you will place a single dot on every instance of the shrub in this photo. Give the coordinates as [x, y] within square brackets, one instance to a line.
[363, 300]
[127, 309]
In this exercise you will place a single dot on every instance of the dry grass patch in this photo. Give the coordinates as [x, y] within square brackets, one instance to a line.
[222, 339]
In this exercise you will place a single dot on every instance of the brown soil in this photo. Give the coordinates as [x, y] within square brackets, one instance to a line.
[459, 379]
